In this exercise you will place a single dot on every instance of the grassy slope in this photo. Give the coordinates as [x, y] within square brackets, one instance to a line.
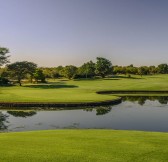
[82, 90]
[84, 146]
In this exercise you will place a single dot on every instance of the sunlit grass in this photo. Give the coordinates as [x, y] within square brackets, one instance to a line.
[80, 90]
[84, 145]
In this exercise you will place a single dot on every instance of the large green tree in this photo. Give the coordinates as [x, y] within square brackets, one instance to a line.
[3, 56]
[103, 67]
[143, 70]
[87, 69]
[70, 71]
[163, 68]
[152, 70]
[39, 76]
[131, 69]
[19, 70]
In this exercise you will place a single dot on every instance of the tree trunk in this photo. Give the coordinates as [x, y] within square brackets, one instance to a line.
[86, 75]
[20, 83]
[31, 79]
[102, 75]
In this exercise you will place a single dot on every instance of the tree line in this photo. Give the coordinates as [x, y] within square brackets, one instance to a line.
[25, 70]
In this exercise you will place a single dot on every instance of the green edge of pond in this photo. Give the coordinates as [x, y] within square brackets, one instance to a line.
[116, 94]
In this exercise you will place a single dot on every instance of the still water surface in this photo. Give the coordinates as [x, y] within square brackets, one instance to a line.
[134, 113]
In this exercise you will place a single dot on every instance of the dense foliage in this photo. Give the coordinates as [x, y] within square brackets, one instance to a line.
[19, 71]
[3, 56]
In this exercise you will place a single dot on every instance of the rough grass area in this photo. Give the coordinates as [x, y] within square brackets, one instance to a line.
[84, 146]
[64, 91]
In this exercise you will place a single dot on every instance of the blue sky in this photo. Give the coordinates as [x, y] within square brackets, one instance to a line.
[63, 32]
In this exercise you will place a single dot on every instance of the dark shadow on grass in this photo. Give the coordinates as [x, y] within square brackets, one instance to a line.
[86, 79]
[51, 86]
[126, 77]
[6, 85]
[111, 79]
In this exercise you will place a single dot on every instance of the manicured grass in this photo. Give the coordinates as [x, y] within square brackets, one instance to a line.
[84, 146]
[80, 90]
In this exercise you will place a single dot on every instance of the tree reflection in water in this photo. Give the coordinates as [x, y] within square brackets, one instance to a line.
[100, 110]
[142, 99]
[103, 110]
[3, 121]
[22, 114]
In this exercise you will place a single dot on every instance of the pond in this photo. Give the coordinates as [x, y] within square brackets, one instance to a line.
[134, 113]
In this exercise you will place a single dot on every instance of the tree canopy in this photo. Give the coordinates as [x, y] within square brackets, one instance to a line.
[87, 70]
[3, 56]
[39, 75]
[103, 67]
[20, 69]
[163, 68]
[70, 71]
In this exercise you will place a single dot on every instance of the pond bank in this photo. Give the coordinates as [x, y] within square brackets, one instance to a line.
[54, 104]
[133, 92]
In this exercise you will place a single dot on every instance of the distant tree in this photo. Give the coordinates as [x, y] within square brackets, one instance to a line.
[60, 70]
[152, 70]
[87, 70]
[54, 73]
[19, 70]
[131, 69]
[103, 67]
[143, 70]
[69, 71]
[47, 72]
[57, 72]
[163, 68]
[123, 70]
[3, 60]
[39, 76]
[119, 69]
[3, 56]
[131, 65]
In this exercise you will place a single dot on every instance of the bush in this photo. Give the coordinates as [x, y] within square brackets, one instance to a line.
[4, 81]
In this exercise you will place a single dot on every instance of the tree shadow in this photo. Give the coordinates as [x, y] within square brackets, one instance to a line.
[86, 79]
[50, 86]
[111, 79]
[126, 77]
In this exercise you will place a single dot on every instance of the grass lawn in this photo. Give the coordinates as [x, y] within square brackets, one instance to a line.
[80, 90]
[84, 146]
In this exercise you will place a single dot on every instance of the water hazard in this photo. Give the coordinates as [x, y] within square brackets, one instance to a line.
[134, 113]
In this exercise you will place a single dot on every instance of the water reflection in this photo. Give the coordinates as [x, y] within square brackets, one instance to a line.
[3, 121]
[102, 110]
[22, 114]
[134, 113]
[142, 99]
